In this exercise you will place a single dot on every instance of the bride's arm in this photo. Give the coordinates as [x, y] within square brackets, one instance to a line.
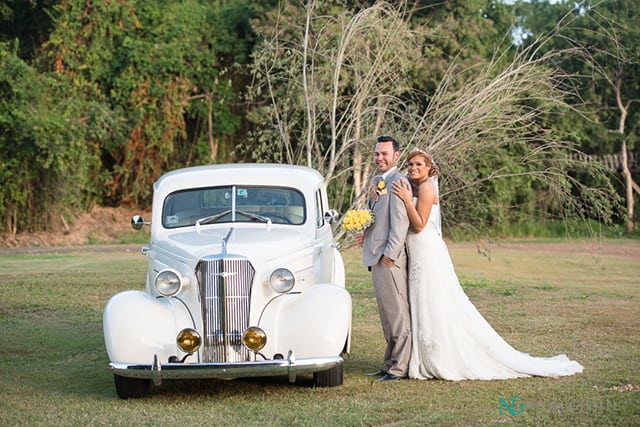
[418, 214]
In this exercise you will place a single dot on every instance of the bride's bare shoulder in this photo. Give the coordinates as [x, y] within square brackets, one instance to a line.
[427, 186]
[427, 190]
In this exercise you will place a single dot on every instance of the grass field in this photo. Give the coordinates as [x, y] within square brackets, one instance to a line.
[578, 298]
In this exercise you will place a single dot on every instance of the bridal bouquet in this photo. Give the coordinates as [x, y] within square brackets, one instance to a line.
[357, 220]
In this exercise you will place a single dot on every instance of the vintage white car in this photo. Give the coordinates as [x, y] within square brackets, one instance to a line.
[244, 280]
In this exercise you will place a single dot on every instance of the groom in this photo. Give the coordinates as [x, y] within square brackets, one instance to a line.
[383, 251]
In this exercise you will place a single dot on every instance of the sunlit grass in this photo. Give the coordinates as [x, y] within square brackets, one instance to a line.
[582, 301]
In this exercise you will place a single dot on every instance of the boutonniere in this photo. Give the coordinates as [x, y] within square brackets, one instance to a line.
[382, 188]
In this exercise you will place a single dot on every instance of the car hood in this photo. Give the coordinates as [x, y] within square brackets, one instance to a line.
[258, 244]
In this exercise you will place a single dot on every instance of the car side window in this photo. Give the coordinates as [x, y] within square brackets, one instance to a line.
[319, 210]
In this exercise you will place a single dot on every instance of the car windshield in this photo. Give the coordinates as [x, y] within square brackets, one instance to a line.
[233, 204]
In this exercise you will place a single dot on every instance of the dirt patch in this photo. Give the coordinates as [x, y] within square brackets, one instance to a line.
[99, 226]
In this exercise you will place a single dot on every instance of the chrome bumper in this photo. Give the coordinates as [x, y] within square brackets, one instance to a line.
[227, 371]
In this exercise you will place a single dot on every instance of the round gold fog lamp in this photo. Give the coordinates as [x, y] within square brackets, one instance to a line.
[254, 338]
[189, 340]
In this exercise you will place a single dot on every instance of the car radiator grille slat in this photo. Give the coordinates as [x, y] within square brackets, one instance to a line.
[225, 292]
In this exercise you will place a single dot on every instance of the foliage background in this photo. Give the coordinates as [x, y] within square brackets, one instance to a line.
[98, 99]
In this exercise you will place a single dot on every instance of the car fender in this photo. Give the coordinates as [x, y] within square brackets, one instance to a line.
[316, 322]
[138, 326]
[338, 269]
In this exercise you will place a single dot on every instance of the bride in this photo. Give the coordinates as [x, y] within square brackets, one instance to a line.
[451, 339]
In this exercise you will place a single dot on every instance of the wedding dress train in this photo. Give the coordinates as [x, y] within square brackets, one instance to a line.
[451, 339]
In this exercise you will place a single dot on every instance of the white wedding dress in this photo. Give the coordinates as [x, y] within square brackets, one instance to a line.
[451, 339]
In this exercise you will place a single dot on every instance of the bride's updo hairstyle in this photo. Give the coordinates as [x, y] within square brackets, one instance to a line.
[435, 170]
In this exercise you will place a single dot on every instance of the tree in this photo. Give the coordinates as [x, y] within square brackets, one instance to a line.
[157, 67]
[608, 34]
[128, 90]
[47, 167]
[484, 122]
[27, 21]
[614, 40]
[331, 81]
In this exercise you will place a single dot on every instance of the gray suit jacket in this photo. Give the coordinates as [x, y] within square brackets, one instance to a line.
[387, 235]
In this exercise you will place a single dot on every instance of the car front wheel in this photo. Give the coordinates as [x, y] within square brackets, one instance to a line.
[330, 378]
[131, 388]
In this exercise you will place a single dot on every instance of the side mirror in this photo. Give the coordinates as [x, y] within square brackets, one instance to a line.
[331, 216]
[137, 222]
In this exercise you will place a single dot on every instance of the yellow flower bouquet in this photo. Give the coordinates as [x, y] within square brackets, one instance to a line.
[357, 220]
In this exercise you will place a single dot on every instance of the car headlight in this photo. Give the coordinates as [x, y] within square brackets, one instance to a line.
[254, 338]
[189, 340]
[168, 282]
[282, 280]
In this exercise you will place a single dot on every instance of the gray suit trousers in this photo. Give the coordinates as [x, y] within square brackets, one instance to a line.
[393, 305]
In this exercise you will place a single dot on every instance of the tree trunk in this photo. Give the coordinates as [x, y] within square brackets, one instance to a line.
[631, 225]
[358, 180]
[628, 180]
[212, 144]
[310, 128]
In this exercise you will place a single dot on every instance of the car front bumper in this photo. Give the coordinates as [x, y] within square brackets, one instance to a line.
[262, 368]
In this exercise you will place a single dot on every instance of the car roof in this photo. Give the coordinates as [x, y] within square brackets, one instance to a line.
[301, 177]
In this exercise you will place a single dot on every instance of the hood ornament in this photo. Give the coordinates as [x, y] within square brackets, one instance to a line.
[224, 242]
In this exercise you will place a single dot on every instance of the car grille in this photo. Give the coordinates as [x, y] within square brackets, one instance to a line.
[225, 292]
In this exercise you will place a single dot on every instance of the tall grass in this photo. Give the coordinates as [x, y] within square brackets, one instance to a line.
[546, 229]
[578, 298]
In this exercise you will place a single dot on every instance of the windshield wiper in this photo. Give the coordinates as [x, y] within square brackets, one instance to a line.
[213, 218]
[254, 216]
